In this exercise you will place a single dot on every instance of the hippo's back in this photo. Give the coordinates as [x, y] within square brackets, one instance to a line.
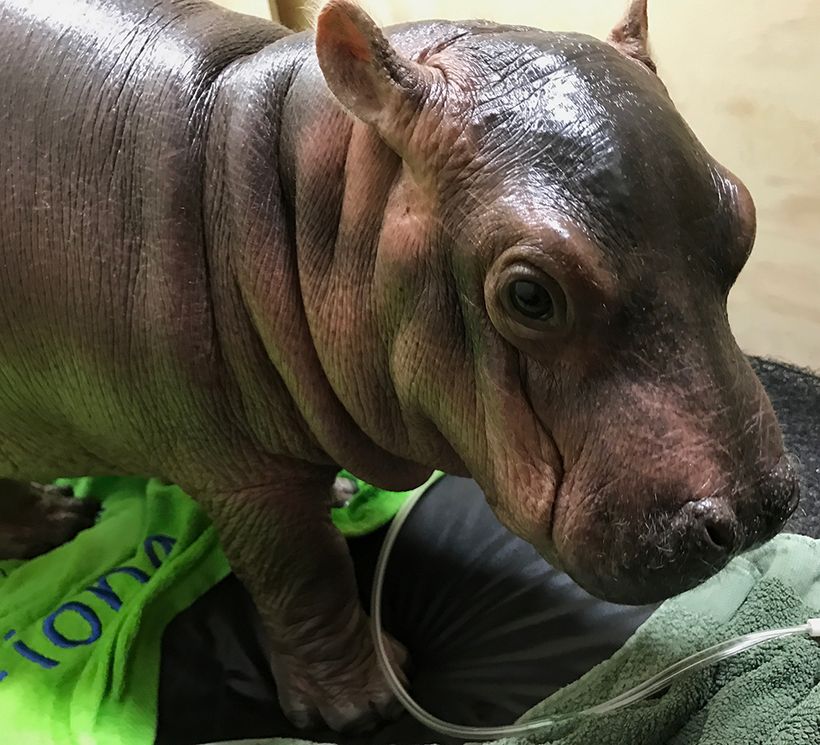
[103, 277]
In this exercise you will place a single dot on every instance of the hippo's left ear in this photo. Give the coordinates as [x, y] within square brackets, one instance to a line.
[363, 71]
[631, 35]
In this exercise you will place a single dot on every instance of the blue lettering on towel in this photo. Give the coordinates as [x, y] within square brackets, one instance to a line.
[101, 590]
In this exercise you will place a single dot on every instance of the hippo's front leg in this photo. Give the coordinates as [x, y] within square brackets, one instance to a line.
[283, 546]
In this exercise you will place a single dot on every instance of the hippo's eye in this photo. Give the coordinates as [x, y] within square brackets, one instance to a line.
[532, 300]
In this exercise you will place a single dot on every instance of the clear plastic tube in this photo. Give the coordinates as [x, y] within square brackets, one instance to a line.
[657, 682]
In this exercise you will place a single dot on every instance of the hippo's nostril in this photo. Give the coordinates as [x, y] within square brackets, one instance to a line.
[720, 534]
[716, 524]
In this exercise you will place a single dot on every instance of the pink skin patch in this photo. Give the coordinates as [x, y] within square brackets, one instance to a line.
[339, 30]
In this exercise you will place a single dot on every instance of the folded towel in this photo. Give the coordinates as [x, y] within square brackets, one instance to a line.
[81, 626]
[769, 695]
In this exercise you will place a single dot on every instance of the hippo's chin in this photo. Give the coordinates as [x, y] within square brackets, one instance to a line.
[645, 587]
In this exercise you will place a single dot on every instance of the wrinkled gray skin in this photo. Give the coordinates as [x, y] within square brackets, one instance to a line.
[219, 272]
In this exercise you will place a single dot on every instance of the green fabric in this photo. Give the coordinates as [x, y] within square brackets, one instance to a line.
[93, 611]
[371, 508]
[767, 696]
[103, 690]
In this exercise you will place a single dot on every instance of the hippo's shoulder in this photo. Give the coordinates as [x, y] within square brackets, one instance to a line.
[189, 44]
[131, 44]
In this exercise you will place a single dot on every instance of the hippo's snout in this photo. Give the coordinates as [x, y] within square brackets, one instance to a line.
[715, 528]
[669, 550]
[781, 493]
[758, 517]
[697, 540]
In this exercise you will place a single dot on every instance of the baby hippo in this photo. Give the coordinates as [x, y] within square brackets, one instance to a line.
[239, 259]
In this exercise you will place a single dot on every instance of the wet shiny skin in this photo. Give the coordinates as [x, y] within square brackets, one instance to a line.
[274, 255]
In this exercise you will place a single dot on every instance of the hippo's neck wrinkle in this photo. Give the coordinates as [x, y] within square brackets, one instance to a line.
[274, 221]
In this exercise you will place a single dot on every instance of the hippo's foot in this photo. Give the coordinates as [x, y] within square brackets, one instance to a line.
[342, 492]
[35, 518]
[283, 545]
[349, 693]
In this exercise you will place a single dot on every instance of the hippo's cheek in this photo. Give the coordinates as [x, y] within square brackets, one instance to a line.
[530, 517]
[580, 541]
[522, 485]
[614, 553]
[641, 551]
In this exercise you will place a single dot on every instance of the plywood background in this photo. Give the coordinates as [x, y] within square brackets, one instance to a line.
[746, 74]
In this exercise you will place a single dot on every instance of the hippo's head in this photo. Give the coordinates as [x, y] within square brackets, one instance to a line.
[556, 252]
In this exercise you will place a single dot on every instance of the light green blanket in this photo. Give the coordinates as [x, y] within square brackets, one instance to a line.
[766, 696]
[81, 627]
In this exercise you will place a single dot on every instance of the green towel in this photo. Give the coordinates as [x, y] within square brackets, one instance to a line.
[768, 696]
[371, 508]
[81, 626]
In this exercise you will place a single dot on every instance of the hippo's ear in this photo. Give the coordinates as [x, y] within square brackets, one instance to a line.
[631, 35]
[360, 67]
